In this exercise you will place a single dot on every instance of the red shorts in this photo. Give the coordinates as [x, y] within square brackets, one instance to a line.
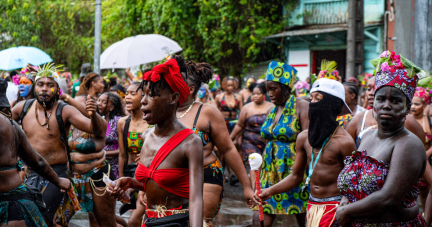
[328, 218]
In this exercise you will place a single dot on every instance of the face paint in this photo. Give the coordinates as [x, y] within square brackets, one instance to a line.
[201, 92]
[24, 90]
[25, 86]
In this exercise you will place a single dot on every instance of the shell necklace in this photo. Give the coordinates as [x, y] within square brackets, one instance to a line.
[190, 107]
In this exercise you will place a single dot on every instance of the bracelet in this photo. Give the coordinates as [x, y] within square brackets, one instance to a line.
[67, 98]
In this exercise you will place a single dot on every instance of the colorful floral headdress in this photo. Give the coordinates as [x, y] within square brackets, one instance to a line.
[423, 94]
[49, 70]
[281, 73]
[328, 70]
[301, 88]
[397, 71]
[26, 73]
[364, 79]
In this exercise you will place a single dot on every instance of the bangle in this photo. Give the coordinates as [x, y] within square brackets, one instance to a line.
[67, 98]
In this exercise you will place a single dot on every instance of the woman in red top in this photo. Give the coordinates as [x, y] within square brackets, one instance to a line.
[171, 160]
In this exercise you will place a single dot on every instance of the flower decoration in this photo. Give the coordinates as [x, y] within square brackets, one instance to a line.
[16, 79]
[423, 94]
[49, 70]
[397, 71]
[328, 70]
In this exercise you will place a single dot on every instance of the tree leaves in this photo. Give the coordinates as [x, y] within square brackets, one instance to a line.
[229, 34]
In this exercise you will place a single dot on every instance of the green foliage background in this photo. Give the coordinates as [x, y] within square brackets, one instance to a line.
[229, 34]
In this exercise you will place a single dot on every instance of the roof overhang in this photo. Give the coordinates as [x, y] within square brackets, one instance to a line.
[317, 29]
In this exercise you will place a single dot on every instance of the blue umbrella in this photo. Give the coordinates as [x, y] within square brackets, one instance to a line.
[19, 57]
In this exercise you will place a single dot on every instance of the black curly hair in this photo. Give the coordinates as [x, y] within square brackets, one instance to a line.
[262, 88]
[115, 101]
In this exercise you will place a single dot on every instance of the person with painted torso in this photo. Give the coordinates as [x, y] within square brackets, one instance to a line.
[365, 121]
[379, 181]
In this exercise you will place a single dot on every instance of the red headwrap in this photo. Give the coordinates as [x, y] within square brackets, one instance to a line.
[171, 72]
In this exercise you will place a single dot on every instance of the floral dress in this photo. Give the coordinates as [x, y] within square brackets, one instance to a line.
[111, 143]
[363, 175]
[278, 160]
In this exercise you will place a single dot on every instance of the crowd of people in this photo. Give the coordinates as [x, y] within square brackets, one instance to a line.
[356, 153]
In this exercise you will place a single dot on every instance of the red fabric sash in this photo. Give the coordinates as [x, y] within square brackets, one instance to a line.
[173, 180]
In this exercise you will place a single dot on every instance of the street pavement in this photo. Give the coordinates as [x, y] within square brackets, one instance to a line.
[233, 213]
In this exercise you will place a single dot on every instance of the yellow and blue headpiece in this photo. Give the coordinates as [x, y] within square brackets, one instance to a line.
[281, 73]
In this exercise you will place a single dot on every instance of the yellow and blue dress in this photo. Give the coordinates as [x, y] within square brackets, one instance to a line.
[278, 160]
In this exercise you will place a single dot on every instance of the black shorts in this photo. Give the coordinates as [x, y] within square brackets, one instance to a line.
[213, 173]
[51, 194]
[15, 212]
[129, 170]
[99, 175]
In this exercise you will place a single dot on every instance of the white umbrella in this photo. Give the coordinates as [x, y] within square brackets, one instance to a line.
[137, 50]
[19, 57]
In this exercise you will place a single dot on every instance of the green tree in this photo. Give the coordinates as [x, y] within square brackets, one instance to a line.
[226, 33]
[229, 34]
[63, 29]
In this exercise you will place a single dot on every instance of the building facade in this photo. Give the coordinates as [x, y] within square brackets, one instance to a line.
[318, 30]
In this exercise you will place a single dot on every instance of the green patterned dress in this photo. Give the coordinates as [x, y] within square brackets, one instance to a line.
[278, 160]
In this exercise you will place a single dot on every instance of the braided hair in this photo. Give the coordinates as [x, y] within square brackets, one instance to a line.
[115, 101]
[352, 88]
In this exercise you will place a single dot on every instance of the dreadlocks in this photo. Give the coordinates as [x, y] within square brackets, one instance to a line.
[200, 73]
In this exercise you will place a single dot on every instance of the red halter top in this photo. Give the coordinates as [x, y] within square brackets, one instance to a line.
[174, 180]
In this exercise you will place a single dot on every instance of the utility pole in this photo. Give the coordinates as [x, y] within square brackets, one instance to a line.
[355, 39]
[97, 46]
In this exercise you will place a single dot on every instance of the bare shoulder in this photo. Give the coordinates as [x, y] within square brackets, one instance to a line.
[358, 118]
[147, 133]
[268, 104]
[344, 138]
[270, 108]
[219, 96]
[193, 140]
[17, 109]
[210, 110]
[248, 106]
[411, 124]
[121, 122]
[301, 138]
[303, 98]
[410, 141]
[302, 101]
[81, 99]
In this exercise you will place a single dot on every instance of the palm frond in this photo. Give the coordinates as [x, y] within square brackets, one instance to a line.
[328, 65]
